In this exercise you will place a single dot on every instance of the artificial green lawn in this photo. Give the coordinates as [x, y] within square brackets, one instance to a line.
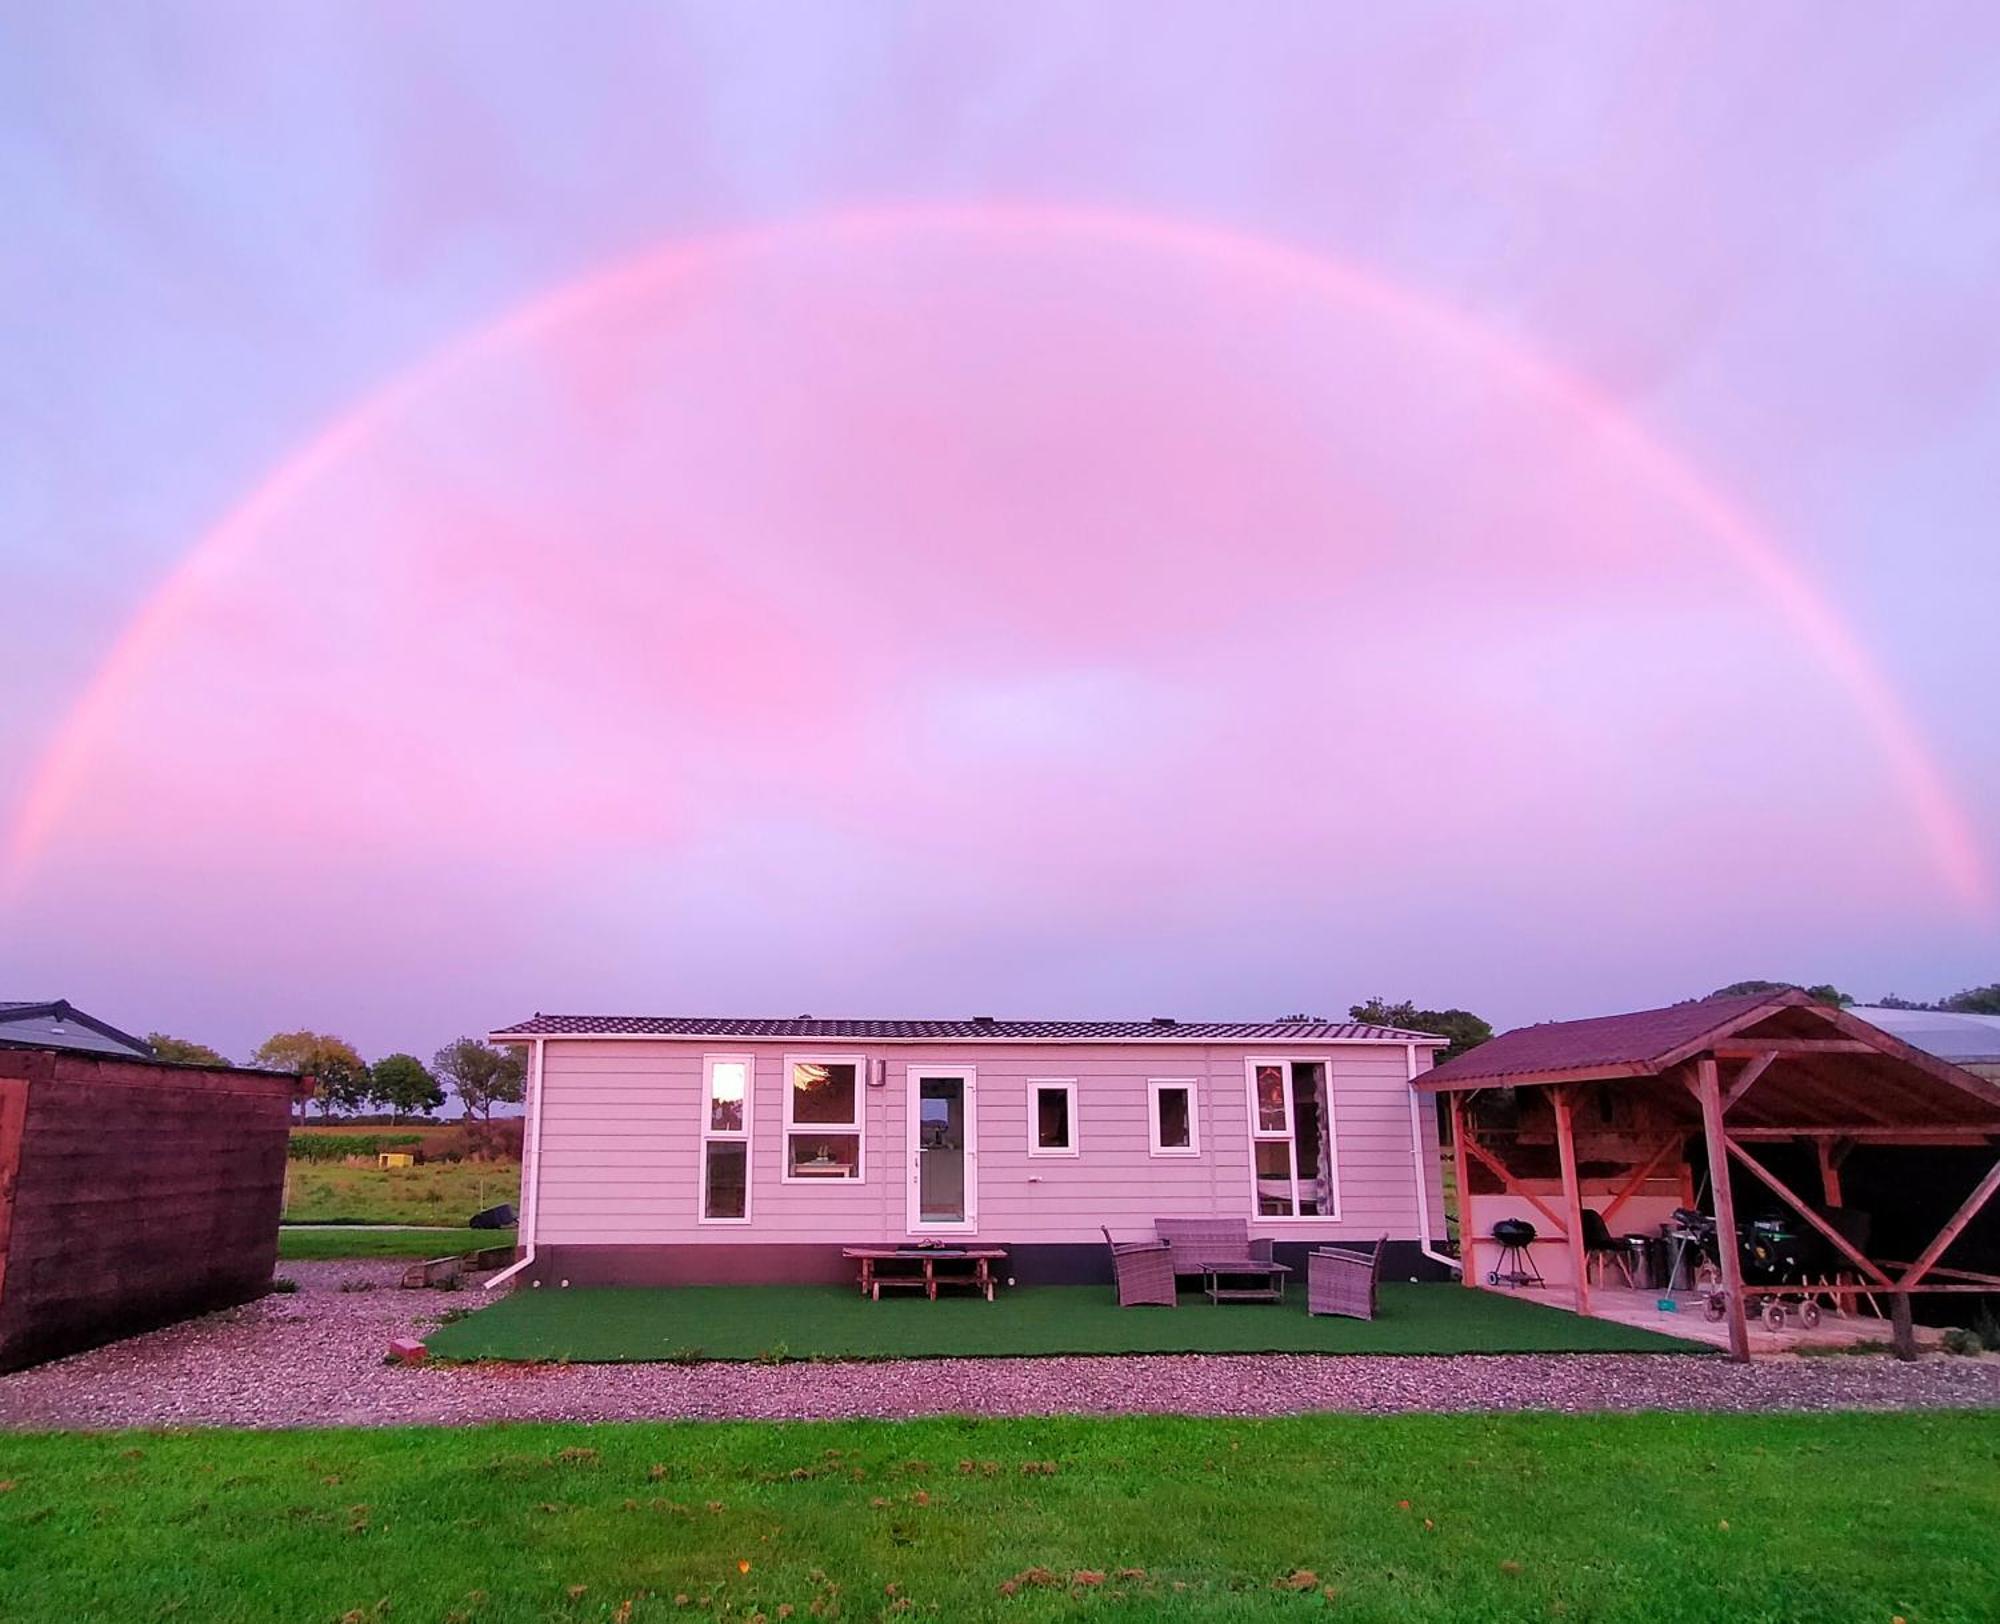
[614, 1325]
[340, 1240]
[1609, 1518]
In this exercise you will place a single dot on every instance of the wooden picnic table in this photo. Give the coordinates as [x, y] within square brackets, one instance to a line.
[964, 1266]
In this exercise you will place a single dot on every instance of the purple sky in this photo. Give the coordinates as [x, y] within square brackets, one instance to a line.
[1035, 510]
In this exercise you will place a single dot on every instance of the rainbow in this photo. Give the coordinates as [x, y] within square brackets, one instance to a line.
[1945, 827]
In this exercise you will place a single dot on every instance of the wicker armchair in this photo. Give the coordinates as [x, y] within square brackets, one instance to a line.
[1145, 1271]
[1342, 1281]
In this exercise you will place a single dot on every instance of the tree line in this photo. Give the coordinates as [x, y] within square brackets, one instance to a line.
[1971, 1001]
[401, 1084]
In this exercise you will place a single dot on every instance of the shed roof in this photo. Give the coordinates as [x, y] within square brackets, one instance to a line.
[1963, 1039]
[1162, 1030]
[1642, 1039]
[56, 1023]
[1829, 1070]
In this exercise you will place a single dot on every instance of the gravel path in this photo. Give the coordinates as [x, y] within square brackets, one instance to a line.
[314, 1358]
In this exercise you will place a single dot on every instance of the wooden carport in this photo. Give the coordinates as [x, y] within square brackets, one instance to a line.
[1744, 1073]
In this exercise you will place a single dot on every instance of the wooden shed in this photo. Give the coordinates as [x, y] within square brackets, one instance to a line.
[132, 1193]
[1771, 1094]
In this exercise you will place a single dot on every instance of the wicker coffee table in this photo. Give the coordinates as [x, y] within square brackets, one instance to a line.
[1269, 1278]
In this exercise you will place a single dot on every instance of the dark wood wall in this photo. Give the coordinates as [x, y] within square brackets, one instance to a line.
[131, 1194]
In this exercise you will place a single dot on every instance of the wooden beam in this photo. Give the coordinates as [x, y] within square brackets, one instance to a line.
[1466, 1262]
[1829, 1171]
[1537, 1079]
[1751, 1048]
[1784, 1193]
[1872, 1291]
[1747, 1077]
[1514, 1187]
[1637, 1181]
[1579, 1258]
[1940, 1272]
[1869, 1133]
[1709, 1091]
[1967, 1211]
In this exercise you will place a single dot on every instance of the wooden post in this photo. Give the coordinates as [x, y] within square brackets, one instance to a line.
[1708, 1090]
[1902, 1332]
[1468, 1253]
[1579, 1258]
[1829, 1172]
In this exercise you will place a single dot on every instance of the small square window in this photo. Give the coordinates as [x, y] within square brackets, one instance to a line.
[1176, 1129]
[1052, 1117]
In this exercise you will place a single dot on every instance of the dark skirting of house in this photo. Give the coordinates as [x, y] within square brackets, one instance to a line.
[132, 1194]
[754, 1263]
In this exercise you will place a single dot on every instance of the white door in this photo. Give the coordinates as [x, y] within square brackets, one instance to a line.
[944, 1151]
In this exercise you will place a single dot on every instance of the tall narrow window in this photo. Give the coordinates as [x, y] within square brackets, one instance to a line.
[1052, 1116]
[1171, 1116]
[823, 1118]
[1290, 1139]
[725, 1139]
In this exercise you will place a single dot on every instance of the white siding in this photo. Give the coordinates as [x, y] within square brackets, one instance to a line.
[620, 1145]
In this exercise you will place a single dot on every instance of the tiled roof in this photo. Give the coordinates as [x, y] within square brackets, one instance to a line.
[56, 1023]
[806, 1026]
[1639, 1038]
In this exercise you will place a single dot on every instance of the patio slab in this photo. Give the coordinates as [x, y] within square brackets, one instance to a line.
[688, 1324]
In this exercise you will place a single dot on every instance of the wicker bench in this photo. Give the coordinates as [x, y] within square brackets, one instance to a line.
[1198, 1243]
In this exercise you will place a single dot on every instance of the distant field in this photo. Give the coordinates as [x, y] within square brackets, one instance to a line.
[342, 1241]
[434, 1193]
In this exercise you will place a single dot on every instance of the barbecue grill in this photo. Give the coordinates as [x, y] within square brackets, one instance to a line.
[1516, 1263]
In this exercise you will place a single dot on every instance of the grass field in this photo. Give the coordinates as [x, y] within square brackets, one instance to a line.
[340, 1241]
[1607, 1518]
[434, 1193]
[612, 1325]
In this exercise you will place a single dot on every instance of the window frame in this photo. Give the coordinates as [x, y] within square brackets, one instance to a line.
[858, 1129]
[1154, 1146]
[1068, 1087]
[1259, 1135]
[713, 1135]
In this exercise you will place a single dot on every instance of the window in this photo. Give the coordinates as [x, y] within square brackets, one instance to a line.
[725, 1138]
[823, 1116]
[1052, 1116]
[1171, 1114]
[1291, 1140]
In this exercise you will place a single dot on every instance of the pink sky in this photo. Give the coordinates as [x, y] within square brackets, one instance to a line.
[969, 520]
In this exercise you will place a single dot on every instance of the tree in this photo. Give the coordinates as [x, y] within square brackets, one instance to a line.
[1974, 1001]
[182, 1051]
[332, 1062]
[480, 1075]
[1465, 1029]
[1824, 993]
[404, 1083]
